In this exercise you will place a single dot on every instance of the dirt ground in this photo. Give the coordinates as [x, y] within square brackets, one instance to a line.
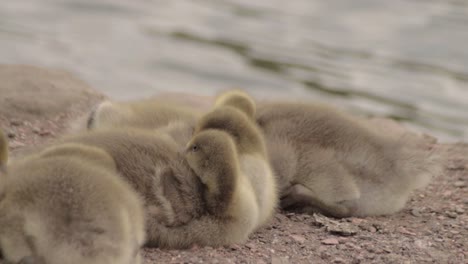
[433, 227]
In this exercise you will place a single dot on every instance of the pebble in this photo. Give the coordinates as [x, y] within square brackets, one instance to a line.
[330, 241]
[335, 227]
[354, 246]
[279, 260]
[339, 260]
[459, 184]
[405, 231]
[281, 218]
[16, 144]
[298, 238]
[322, 249]
[343, 229]
[15, 122]
[234, 247]
[194, 247]
[357, 221]
[421, 244]
[321, 220]
[447, 194]
[369, 228]
[325, 255]
[451, 214]
[45, 133]
[250, 246]
[456, 165]
[11, 134]
[416, 212]
[343, 240]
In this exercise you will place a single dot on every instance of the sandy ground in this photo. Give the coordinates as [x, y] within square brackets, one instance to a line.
[433, 227]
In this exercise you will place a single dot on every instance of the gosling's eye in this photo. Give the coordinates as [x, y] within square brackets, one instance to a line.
[194, 148]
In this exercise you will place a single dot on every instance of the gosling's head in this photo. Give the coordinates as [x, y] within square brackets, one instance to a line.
[227, 119]
[238, 99]
[243, 131]
[210, 151]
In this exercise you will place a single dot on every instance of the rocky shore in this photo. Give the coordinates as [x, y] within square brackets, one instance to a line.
[38, 105]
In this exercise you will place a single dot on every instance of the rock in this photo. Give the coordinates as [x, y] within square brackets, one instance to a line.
[330, 241]
[459, 184]
[29, 92]
[201, 102]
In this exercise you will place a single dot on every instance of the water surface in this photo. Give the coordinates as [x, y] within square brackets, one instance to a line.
[405, 59]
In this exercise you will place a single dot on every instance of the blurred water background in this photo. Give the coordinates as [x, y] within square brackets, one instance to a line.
[405, 59]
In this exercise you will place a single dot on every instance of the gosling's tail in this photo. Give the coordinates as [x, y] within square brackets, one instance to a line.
[409, 164]
[3, 152]
[419, 163]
